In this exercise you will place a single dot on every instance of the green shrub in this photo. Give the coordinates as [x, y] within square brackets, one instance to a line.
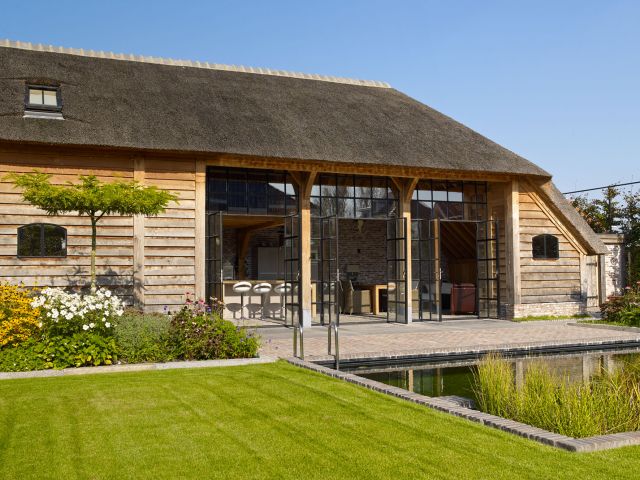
[143, 338]
[21, 358]
[623, 309]
[200, 335]
[84, 349]
[608, 403]
[79, 350]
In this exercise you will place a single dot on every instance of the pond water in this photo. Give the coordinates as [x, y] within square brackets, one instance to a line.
[456, 378]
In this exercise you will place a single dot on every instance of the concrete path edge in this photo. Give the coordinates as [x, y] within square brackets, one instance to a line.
[138, 367]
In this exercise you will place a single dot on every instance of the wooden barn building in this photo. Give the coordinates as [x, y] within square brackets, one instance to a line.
[336, 195]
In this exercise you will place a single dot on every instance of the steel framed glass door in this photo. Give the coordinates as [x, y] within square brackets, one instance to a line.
[293, 290]
[325, 273]
[425, 260]
[397, 281]
[214, 287]
[488, 292]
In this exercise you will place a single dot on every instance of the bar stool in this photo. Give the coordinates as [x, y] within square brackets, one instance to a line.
[242, 288]
[262, 289]
[282, 289]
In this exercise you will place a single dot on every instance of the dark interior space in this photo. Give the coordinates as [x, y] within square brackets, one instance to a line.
[459, 267]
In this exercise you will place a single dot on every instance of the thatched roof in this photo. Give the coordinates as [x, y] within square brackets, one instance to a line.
[165, 106]
[579, 225]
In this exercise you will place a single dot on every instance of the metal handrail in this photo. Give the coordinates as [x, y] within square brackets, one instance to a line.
[298, 329]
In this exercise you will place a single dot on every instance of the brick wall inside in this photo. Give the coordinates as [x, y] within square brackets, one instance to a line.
[363, 249]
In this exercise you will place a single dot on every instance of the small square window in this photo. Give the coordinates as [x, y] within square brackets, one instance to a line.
[43, 98]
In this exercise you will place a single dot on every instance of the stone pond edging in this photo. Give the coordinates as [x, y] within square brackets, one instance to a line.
[590, 444]
[137, 367]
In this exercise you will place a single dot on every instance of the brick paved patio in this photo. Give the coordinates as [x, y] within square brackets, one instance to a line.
[421, 338]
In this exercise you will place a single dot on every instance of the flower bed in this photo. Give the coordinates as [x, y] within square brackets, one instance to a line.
[52, 328]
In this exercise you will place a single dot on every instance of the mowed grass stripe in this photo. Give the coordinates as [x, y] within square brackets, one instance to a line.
[260, 421]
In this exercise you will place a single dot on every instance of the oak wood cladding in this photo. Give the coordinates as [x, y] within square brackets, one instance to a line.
[163, 256]
[544, 281]
[114, 261]
[150, 259]
[171, 264]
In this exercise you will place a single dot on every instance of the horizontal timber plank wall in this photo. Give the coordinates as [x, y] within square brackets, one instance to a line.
[169, 238]
[114, 260]
[546, 281]
[166, 252]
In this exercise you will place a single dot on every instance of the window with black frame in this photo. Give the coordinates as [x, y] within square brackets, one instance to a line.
[40, 97]
[449, 200]
[353, 196]
[250, 192]
[545, 247]
[42, 240]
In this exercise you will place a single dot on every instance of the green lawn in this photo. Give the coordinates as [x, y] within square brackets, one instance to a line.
[262, 421]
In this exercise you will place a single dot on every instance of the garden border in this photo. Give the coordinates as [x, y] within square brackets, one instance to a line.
[589, 444]
[138, 367]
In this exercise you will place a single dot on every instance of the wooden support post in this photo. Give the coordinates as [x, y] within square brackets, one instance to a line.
[138, 242]
[512, 242]
[200, 228]
[304, 181]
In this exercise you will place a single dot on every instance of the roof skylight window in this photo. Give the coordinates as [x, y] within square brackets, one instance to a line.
[43, 102]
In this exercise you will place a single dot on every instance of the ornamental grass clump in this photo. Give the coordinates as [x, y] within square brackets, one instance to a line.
[607, 403]
[18, 318]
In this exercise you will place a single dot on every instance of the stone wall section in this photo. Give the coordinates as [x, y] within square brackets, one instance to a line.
[615, 263]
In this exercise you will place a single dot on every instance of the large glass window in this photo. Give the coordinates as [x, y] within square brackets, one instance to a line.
[250, 192]
[353, 196]
[449, 200]
[42, 240]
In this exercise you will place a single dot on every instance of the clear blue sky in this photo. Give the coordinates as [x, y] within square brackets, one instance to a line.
[555, 81]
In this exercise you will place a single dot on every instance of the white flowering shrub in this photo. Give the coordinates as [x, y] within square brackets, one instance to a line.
[65, 314]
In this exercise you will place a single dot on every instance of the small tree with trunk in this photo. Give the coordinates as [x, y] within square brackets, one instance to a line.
[92, 198]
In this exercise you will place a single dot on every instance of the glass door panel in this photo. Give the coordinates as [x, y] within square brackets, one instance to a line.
[487, 247]
[293, 290]
[397, 308]
[214, 287]
[325, 274]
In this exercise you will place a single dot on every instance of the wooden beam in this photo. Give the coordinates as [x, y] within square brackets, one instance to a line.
[304, 181]
[200, 228]
[243, 239]
[12, 152]
[512, 242]
[251, 229]
[138, 242]
[304, 194]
